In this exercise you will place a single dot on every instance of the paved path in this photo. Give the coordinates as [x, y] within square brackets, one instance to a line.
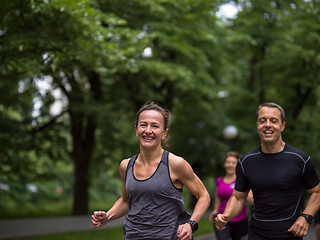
[41, 226]
[209, 236]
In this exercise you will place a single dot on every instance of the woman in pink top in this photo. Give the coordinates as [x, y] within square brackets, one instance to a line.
[238, 227]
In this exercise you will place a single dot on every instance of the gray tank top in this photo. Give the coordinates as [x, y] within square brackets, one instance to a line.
[156, 206]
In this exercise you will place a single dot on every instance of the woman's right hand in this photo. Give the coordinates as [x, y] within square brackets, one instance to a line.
[99, 218]
[213, 216]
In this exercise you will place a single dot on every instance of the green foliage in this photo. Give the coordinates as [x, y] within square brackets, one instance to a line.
[278, 55]
[49, 201]
[208, 72]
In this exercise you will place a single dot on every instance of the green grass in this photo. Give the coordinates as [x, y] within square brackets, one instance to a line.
[116, 233]
[205, 227]
[48, 209]
[101, 234]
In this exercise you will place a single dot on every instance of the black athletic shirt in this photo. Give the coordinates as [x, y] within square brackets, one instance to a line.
[277, 181]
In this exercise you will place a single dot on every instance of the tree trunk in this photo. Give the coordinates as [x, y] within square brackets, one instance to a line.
[251, 80]
[303, 98]
[82, 158]
[83, 143]
[261, 76]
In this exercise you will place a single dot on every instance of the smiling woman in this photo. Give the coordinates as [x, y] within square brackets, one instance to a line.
[238, 227]
[150, 129]
[162, 118]
[152, 185]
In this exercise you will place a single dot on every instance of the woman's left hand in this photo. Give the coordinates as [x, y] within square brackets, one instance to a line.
[184, 232]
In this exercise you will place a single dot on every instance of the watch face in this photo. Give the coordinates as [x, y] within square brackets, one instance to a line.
[308, 217]
[195, 226]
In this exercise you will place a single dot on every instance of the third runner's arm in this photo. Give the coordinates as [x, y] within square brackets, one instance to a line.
[215, 210]
[234, 206]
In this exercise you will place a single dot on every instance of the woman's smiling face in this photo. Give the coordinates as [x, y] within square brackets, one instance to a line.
[150, 128]
[230, 165]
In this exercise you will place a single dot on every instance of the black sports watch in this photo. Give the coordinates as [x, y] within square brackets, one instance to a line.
[194, 225]
[308, 217]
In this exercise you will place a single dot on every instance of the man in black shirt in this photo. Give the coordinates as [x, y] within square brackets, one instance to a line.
[277, 173]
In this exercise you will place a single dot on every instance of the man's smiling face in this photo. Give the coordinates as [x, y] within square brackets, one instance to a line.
[269, 125]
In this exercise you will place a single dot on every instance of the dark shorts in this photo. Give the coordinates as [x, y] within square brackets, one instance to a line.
[317, 218]
[236, 230]
[260, 230]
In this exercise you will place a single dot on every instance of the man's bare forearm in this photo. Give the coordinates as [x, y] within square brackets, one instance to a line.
[234, 206]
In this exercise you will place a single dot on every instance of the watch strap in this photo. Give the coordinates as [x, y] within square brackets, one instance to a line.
[308, 217]
[194, 225]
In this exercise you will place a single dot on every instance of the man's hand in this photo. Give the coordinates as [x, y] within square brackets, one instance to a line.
[99, 218]
[300, 227]
[184, 232]
[221, 221]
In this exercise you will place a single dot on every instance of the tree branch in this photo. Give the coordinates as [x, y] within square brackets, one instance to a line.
[303, 99]
[49, 123]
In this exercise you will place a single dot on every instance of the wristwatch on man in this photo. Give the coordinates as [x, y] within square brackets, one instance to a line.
[194, 225]
[308, 217]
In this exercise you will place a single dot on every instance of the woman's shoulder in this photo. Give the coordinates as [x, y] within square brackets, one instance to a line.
[123, 167]
[177, 163]
[124, 162]
[175, 158]
[219, 180]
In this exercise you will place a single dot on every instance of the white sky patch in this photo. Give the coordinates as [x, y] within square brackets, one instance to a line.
[32, 188]
[4, 186]
[223, 94]
[147, 52]
[36, 107]
[44, 85]
[141, 35]
[46, 57]
[229, 10]
[59, 103]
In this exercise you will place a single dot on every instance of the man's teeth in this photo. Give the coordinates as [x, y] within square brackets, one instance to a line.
[268, 132]
[148, 138]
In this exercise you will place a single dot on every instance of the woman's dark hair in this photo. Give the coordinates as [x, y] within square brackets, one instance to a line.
[164, 112]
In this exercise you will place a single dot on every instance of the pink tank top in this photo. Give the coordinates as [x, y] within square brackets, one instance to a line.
[224, 192]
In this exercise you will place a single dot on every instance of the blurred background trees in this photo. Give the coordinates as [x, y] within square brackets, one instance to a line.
[73, 74]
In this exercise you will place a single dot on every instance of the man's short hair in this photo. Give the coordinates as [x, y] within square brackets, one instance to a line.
[272, 105]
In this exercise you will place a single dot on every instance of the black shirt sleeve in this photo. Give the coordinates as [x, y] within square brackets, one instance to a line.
[241, 180]
[310, 177]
